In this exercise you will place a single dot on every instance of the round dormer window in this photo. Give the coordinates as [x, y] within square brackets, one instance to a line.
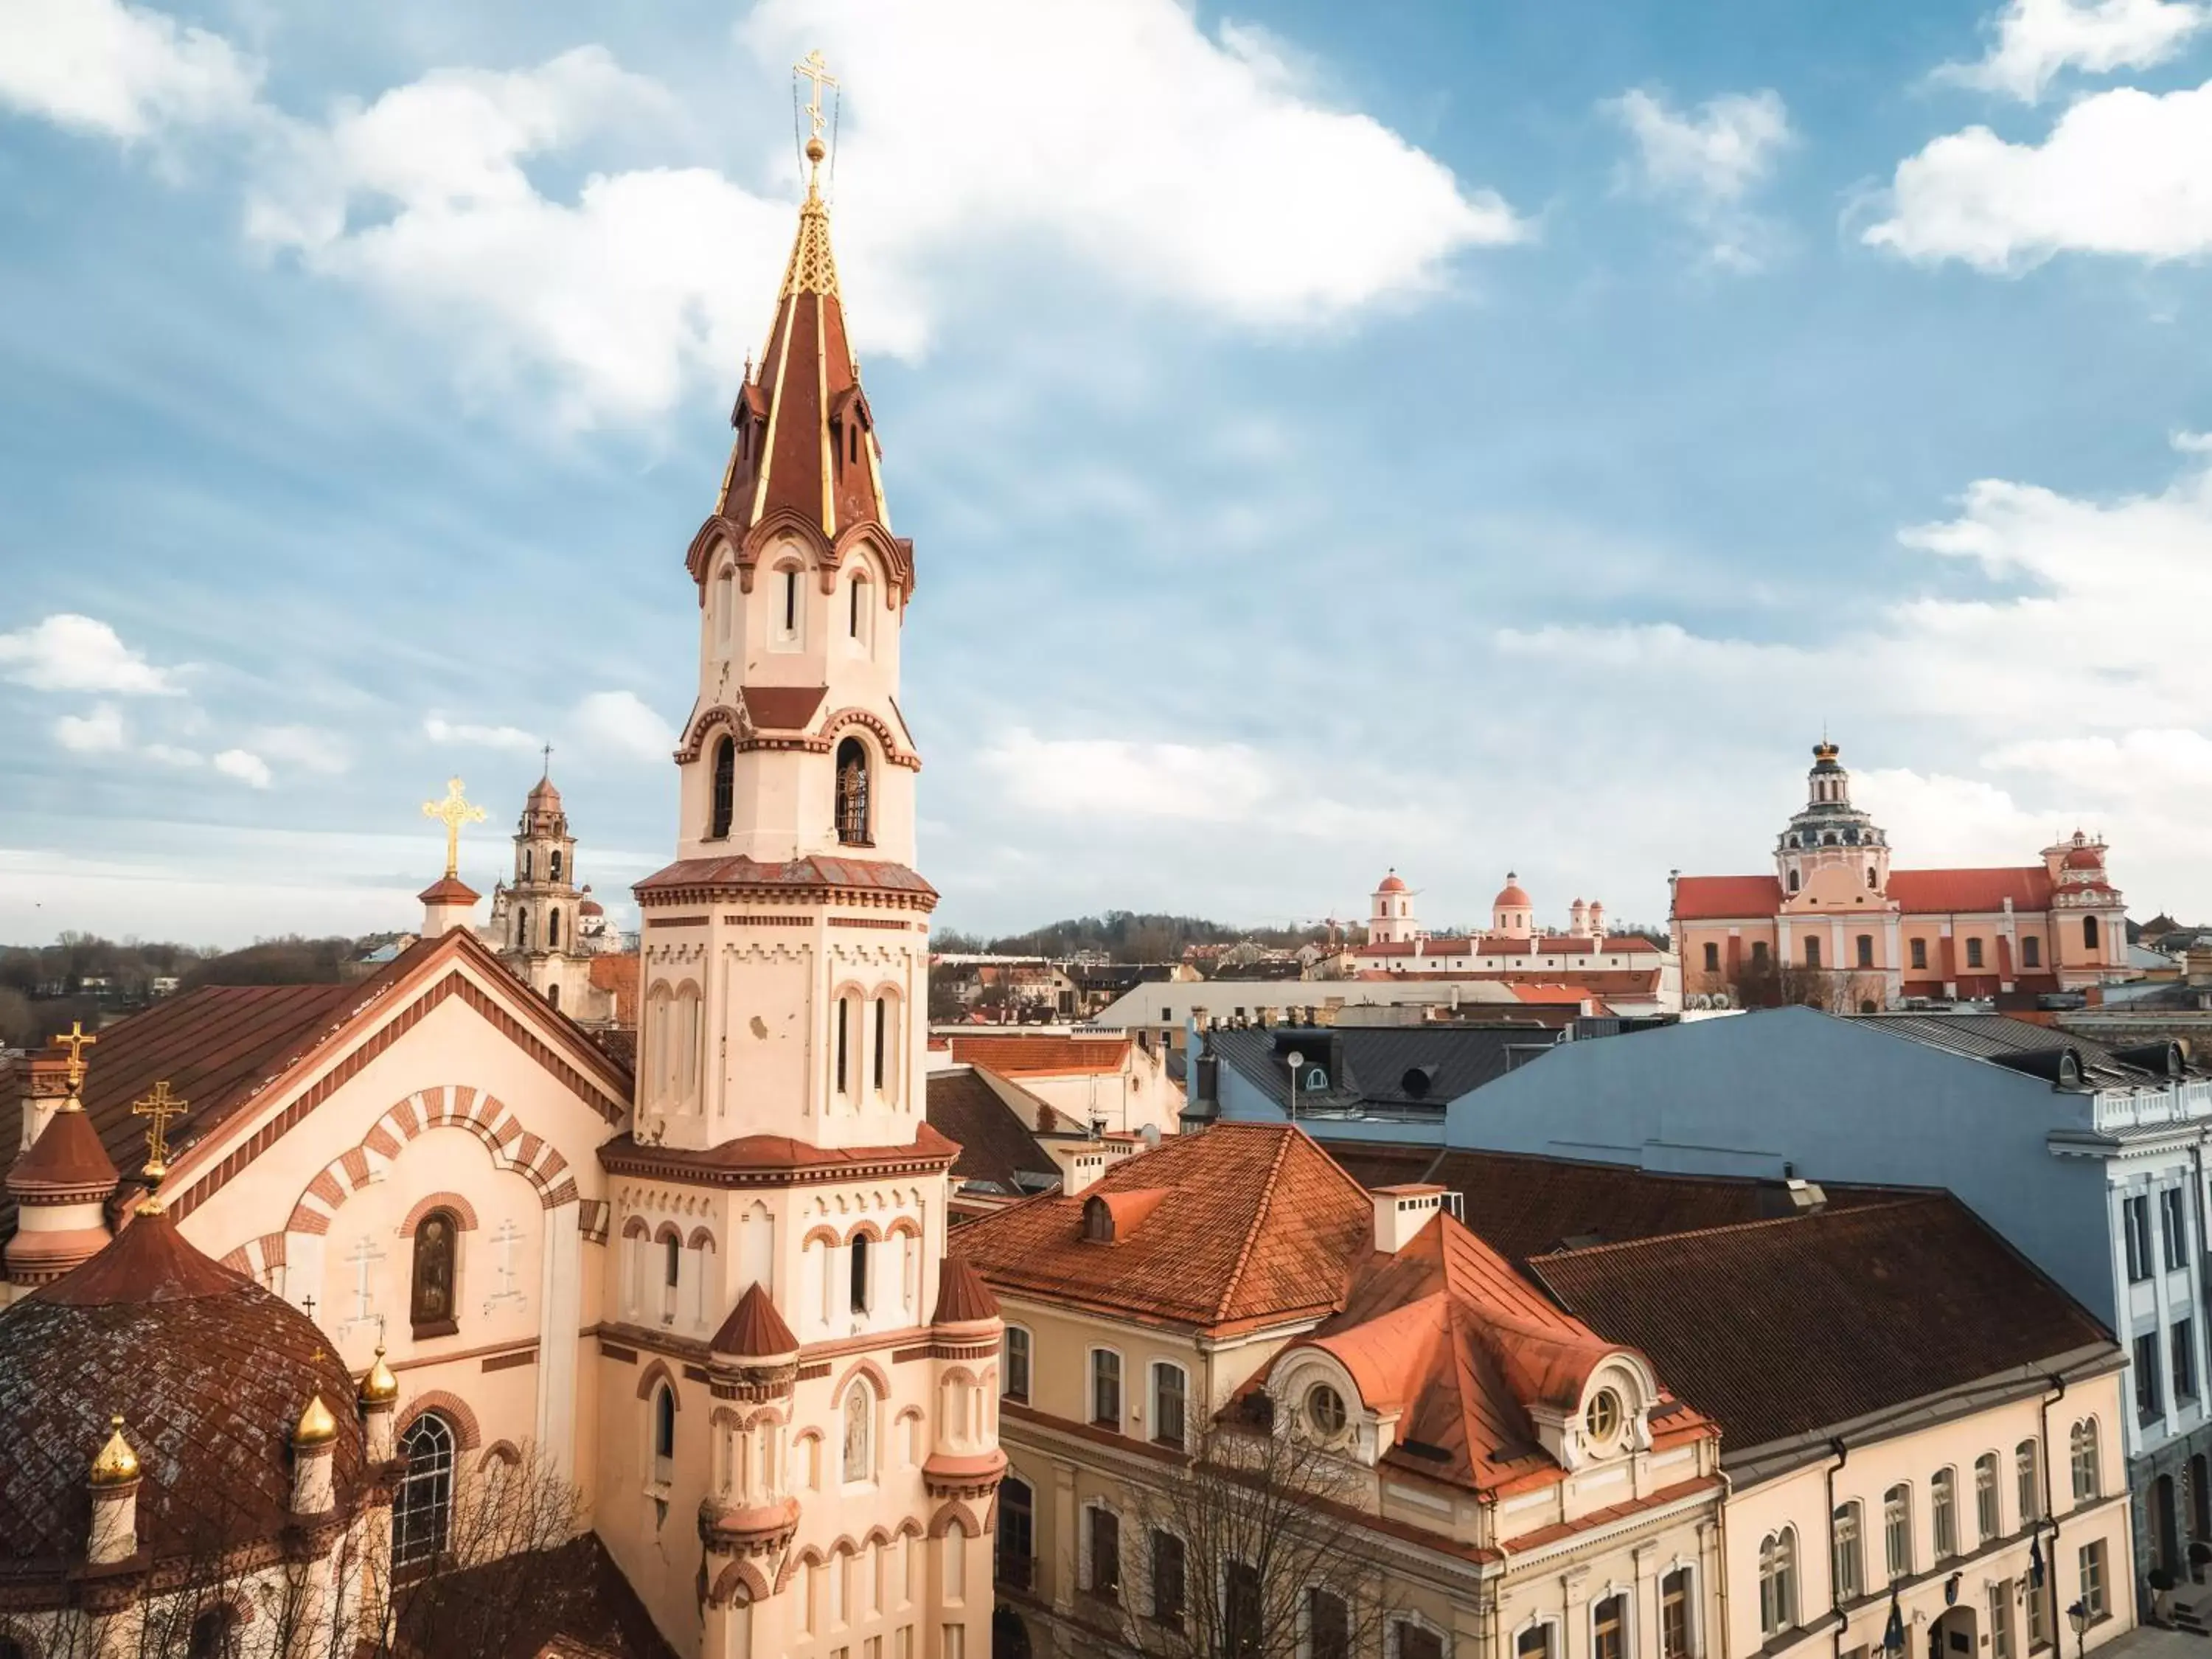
[1325, 1413]
[1602, 1420]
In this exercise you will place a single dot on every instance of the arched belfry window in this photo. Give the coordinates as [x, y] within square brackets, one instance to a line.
[423, 1505]
[521, 929]
[526, 863]
[725, 789]
[552, 930]
[852, 794]
[430, 1299]
[554, 865]
[2089, 931]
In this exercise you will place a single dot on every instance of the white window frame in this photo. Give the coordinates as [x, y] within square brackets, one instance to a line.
[1630, 1634]
[1121, 1387]
[1152, 1402]
[1693, 1626]
[1029, 1363]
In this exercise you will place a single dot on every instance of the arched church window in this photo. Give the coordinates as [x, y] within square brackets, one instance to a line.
[526, 866]
[858, 612]
[2089, 931]
[214, 1636]
[859, 1431]
[882, 1040]
[521, 929]
[790, 575]
[1869, 875]
[430, 1304]
[722, 610]
[423, 1505]
[844, 1041]
[664, 1428]
[860, 1265]
[552, 930]
[1793, 881]
[852, 793]
[725, 789]
[553, 865]
[553, 996]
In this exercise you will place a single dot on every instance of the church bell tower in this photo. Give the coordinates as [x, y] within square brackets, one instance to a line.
[785, 950]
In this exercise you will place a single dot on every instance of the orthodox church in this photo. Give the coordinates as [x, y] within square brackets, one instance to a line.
[552, 934]
[420, 1226]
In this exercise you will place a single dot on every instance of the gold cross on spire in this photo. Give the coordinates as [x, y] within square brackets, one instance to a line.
[160, 1106]
[76, 1040]
[815, 68]
[452, 813]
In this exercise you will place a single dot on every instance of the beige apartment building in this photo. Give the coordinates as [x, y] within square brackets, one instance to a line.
[1507, 1482]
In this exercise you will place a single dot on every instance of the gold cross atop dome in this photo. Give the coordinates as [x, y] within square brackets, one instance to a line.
[453, 812]
[160, 1107]
[76, 1040]
[815, 68]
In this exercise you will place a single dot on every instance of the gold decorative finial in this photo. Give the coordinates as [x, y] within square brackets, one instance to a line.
[453, 811]
[160, 1106]
[117, 1464]
[813, 66]
[317, 1426]
[76, 1040]
[380, 1386]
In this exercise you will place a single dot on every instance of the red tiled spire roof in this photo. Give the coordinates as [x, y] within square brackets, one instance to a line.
[754, 1330]
[805, 450]
[963, 1297]
[67, 1157]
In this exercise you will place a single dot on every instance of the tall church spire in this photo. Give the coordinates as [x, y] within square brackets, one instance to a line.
[806, 449]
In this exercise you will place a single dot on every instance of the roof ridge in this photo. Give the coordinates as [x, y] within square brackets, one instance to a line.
[1904, 1200]
[1260, 1214]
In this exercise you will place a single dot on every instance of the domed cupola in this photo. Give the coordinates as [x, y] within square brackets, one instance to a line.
[1829, 831]
[194, 1398]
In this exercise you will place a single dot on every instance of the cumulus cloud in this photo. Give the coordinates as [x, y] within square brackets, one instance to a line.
[439, 729]
[619, 722]
[68, 653]
[123, 70]
[2034, 39]
[170, 754]
[1202, 167]
[99, 732]
[246, 767]
[2122, 172]
[1708, 161]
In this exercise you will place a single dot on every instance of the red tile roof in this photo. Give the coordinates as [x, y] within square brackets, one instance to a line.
[1254, 1224]
[1918, 892]
[963, 1297]
[1920, 1282]
[733, 1162]
[1042, 1055]
[67, 1157]
[617, 972]
[806, 875]
[783, 708]
[995, 1145]
[1950, 891]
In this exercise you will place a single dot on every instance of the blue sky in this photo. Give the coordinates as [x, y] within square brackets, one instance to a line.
[1460, 437]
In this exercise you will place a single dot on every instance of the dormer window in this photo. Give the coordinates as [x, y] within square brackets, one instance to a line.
[1603, 1418]
[1098, 1222]
[1324, 1411]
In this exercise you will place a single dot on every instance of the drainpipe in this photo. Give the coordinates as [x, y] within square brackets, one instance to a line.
[1835, 1602]
[1728, 1630]
[2050, 1508]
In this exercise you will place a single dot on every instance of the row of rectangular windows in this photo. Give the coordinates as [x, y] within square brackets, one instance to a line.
[2031, 951]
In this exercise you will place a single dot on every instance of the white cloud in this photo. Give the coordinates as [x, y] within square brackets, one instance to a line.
[115, 68]
[620, 722]
[2037, 39]
[439, 729]
[247, 767]
[1708, 160]
[1202, 168]
[68, 653]
[169, 754]
[99, 732]
[306, 747]
[2122, 172]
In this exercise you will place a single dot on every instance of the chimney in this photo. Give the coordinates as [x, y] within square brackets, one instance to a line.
[45, 1086]
[1401, 1211]
[1084, 1168]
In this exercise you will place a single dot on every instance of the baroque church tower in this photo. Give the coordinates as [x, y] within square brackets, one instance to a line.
[813, 1385]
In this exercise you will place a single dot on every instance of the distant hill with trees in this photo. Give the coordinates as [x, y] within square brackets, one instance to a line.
[82, 976]
[1124, 936]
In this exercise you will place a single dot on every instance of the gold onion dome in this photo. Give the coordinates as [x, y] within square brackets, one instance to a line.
[117, 1464]
[379, 1387]
[317, 1426]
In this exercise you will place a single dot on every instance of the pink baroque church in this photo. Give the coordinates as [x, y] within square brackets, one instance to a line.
[1834, 904]
[713, 1295]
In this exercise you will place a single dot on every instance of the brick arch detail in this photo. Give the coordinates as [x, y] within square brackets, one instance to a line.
[667, 1230]
[464, 1212]
[824, 1235]
[738, 1576]
[257, 1255]
[635, 1227]
[867, 1229]
[793, 1560]
[501, 1451]
[655, 1374]
[905, 1227]
[450, 1407]
[952, 1509]
[866, 1368]
[512, 1147]
[878, 1537]
[701, 1239]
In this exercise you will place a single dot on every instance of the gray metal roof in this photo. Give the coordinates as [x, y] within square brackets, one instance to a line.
[2019, 1043]
[1399, 1070]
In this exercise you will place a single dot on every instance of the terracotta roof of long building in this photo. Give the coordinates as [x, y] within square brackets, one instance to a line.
[1042, 1055]
[1917, 892]
[1246, 1223]
[1780, 1328]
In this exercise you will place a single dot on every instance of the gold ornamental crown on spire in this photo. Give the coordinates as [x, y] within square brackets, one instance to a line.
[812, 270]
[453, 812]
[117, 1464]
